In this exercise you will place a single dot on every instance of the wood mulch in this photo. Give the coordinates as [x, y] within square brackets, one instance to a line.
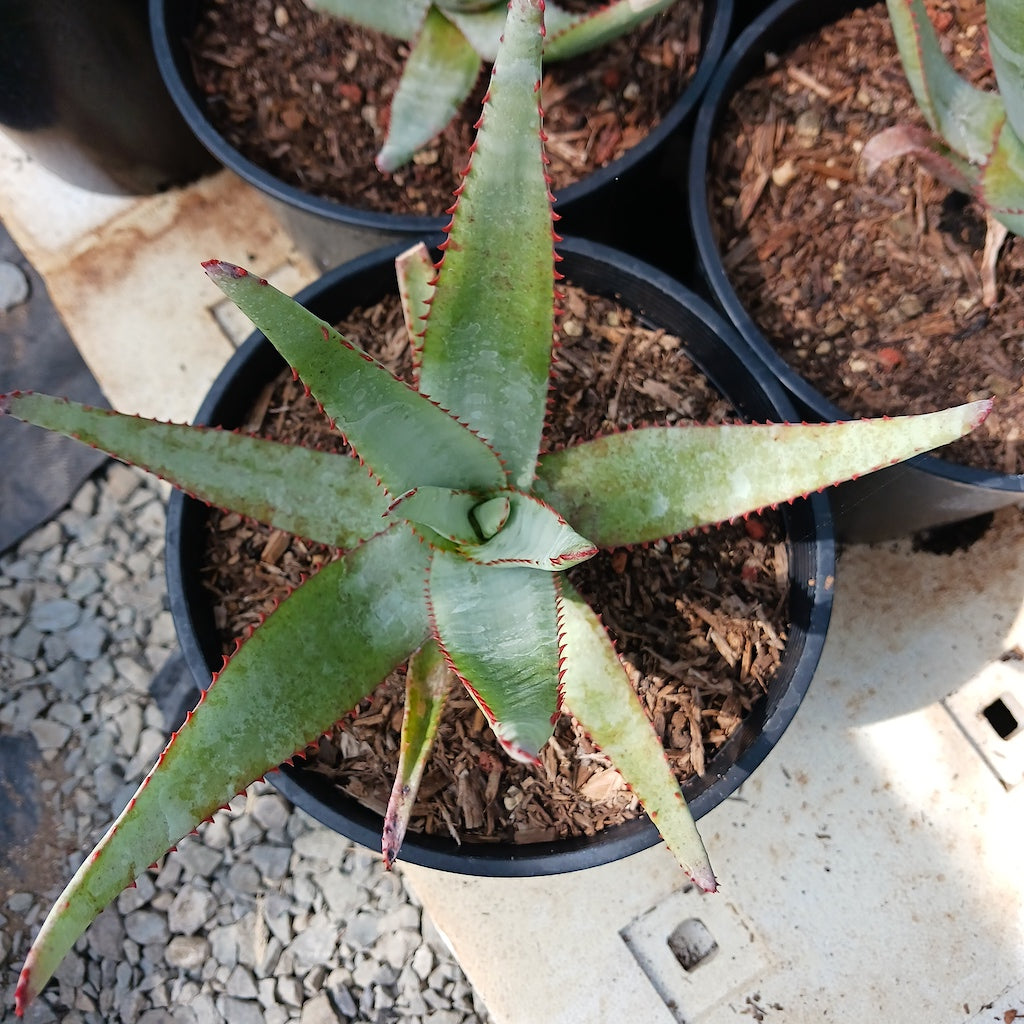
[868, 287]
[700, 621]
[306, 97]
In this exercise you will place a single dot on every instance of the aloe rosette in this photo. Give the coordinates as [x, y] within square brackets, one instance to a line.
[453, 522]
[976, 143]
[450, 41]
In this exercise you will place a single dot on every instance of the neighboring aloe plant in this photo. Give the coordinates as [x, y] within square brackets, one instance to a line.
[978, 141]
[450, 41]
[454, 540]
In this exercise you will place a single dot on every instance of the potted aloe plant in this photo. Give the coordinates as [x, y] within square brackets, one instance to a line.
[218, 576]
[976, 143]
[450, 40]
[855, 294]
[335, 217]
[456, 530]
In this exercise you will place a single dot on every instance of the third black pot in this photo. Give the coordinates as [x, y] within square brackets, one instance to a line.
[623, 203]
[922, 493]
[713, 346]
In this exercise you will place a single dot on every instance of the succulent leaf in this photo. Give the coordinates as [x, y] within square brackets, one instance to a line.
[1002, 181]
[481, 329]
[447, 513]
[569, 35]
[967, 118]
[929, 151]
[438, 76]
[427, 685]
[534, 535]
[398, 18]
[508, 660]
[660, 481]
[597, 691]
[1005, 20]
[504, 529]
[415, 272]
[258, 713]
[482, 28]
[317, 495]
[491, 515]
[405, 439]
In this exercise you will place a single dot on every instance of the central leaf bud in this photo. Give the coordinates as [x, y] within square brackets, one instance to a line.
[490, 516]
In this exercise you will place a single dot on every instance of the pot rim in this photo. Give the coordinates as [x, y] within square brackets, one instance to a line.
[743, 59]
[172, 61]
[812, 570]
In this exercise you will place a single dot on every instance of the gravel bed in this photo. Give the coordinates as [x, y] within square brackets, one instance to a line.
[265, 917]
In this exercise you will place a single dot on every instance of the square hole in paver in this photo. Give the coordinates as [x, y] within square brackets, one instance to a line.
[692, 944]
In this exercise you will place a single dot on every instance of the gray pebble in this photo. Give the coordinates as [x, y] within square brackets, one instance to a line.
[27, 643]
[224, 945]
[45, 539]
[87, 640]
[50, 735]
[188, 952]
[342, 892]
[14, 286]
[55, 615]
[314, 946]
[106, 934]
[241, 984]
[85, 583]
[146, 926]
[190, 910]
[343, 1000]
[270, 811]
[320, 845]
[318, 1010]
[19, 902]
[362, 931]
[271, 862]
[239, 1011]
[199, 858]
[243, 877]
[205, 1009]
[423, 962]
[289, 990]
[396, 948]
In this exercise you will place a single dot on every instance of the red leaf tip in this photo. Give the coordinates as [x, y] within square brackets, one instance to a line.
[218, 268]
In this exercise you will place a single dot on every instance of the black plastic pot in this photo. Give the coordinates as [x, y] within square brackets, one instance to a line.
[80, 91]
[919, 494]
[615, 204]
[755, 395]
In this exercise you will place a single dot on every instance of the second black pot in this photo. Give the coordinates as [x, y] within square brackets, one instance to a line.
[621, 204]
[919, 494]
[713, 346]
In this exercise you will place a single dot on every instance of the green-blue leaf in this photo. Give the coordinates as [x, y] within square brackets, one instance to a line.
[405, 440]
[354, 622]
[597, 691]
[499, 630]
[438, 76]
[487, 346]
[398, 18]
[661, 481]
[427, 684]
[317, 495]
